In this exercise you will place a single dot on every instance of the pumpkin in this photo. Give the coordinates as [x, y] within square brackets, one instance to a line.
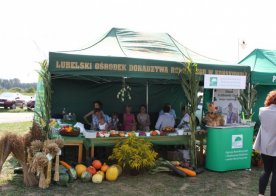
[101, 173]
[112, 173]
[91, 170]
[119, 168]
[86, 176]
[97, 164]
[104, 167]
[79, 169]
[97, 178]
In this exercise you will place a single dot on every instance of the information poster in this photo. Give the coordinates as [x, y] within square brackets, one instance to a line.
[228, 104]
[224, 81]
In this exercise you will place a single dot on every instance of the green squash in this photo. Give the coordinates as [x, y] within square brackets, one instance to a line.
[63, 180]
[86, 176]
[72, 174]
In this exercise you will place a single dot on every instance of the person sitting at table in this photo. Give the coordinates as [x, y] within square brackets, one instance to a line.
[96, 105]
[184, 123]
[103, 126]
[166, 119]
[129, 122]
[172, 111]
[143, 119]
[114, 121]
[95, 119]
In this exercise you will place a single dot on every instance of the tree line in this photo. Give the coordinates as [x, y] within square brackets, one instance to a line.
[16, 86]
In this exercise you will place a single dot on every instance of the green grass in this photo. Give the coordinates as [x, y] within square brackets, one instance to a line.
[17, 110]
[18, 127]
[241, 182]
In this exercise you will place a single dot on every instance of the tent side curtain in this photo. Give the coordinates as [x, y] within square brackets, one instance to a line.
[84, 65]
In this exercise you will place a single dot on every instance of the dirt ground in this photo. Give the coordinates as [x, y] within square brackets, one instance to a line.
[242, 182]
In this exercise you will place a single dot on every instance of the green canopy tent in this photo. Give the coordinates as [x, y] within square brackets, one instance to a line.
[263, 73]
[149, 62]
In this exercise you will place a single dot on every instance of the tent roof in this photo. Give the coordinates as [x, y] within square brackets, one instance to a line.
[126, 53]
[263, 66]
[120, 42]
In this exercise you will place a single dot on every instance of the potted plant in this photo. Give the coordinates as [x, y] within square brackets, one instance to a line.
[247, 99]
[257, 159]
[134, 154]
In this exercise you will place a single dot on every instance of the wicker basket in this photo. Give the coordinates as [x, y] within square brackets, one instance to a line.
[74, 133]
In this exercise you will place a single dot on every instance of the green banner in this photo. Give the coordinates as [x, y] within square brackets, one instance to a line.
[76, 65]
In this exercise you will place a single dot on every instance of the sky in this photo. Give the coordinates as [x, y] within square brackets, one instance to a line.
[29, 29]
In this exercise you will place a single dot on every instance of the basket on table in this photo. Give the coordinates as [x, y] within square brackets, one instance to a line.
[69, 131]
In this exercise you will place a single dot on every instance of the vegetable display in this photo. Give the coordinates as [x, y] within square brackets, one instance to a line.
[79, 169]
[181, 169]
[112, 173]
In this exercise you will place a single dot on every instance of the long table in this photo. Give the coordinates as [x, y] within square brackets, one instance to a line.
[157, 140]
[73, 141]
[81, 141]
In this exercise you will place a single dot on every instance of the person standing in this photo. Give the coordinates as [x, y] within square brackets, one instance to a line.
[129, 123]
[172, 111]
[143, 119]
[94, 113]
[266, 143]
[165, 120]
[184, 123]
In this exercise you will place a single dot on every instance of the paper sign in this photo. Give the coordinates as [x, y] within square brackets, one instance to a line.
[224, 81]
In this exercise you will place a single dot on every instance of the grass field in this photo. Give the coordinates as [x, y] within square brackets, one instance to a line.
[242, 182]
[17, 110]
[19, 127]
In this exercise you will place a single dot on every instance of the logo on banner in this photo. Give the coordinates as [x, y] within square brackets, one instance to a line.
[273, 79]
[213, 81]
[237, 141]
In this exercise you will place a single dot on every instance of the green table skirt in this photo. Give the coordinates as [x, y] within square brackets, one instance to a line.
[111, 141]
[158, 140]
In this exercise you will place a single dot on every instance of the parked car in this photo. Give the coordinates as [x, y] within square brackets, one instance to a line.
[31, 103]
[12, 100]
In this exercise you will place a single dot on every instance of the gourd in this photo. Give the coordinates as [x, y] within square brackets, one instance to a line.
[80, 168]
[104, 167]
[91, 170]
[101, 173]
[63, 179]
[97, 178]
[118, 167]
[187, 171]
[97, 164]
[86, 176]
[72, 174]
[112, 173]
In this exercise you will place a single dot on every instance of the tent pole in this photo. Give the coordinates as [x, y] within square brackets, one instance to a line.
[147, 95]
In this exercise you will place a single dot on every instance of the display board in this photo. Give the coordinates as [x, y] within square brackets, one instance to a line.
[224, 82]
[228, 104]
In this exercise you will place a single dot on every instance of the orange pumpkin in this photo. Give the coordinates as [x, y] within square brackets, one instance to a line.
[104, 167]
[97, 164]
[91, 170]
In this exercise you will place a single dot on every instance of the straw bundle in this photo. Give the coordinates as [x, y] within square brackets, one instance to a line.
[12, 143]
[60, 143]
[50, 148]
[39, 163]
